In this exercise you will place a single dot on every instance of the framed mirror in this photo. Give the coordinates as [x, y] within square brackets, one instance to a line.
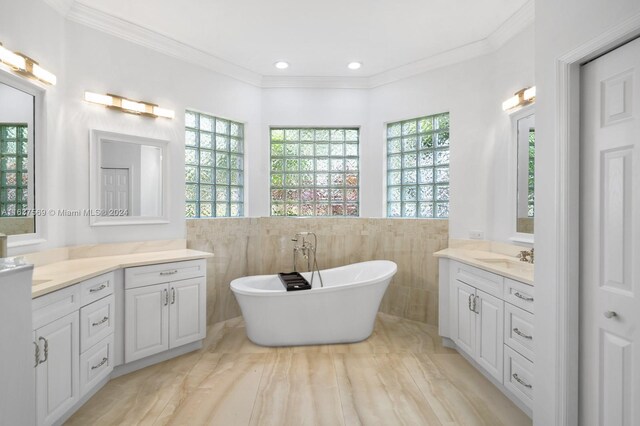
[128, 179]
[17, 160]
[525, 136]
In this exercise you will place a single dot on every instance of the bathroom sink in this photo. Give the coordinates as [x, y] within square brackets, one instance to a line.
[508, 264]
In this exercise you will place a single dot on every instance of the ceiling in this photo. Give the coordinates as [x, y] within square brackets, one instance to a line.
[317, 38]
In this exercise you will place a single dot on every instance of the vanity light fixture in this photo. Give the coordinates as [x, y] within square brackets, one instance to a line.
[25, 66]
[520, 98]
[128, 105]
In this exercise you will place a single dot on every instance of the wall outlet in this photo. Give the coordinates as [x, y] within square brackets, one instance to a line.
[476, 235]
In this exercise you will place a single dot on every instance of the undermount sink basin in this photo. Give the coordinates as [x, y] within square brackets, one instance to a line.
[38, 282]
[508, 264]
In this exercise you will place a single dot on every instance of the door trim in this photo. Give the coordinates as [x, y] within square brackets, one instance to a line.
[567, 173]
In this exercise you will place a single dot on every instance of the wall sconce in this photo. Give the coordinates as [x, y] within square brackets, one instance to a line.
[127, 105]
[521, 98]
[25, 66]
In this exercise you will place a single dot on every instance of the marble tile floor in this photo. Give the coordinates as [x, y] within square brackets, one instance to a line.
[401, 375]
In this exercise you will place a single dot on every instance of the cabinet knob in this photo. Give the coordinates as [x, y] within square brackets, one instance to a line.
[610, 314]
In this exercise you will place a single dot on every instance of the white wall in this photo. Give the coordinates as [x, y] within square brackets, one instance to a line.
[90, 60]
[560, 28]
[314, 107]
[472, 92]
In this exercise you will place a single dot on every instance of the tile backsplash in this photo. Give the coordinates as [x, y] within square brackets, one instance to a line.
[254, 246]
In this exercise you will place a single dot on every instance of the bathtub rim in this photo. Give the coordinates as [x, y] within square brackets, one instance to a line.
[341, 287]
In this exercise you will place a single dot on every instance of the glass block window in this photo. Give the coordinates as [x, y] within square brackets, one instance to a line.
[418, 167]
[532, 173]
[14, 174]
[214, 163]
[314, 172]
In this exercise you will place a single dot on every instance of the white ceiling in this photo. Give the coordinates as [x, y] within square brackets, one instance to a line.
[318, 38]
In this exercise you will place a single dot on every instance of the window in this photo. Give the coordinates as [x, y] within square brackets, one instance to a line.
[13, 169]
[214, 163]
[418, 167]
[314, 172]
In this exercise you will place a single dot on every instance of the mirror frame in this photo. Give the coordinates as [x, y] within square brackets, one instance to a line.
[518, 237]
[38, 91]
[96, 136]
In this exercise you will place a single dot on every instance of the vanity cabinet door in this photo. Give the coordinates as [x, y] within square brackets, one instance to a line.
[187, 311]
[57, 373]
[489, 330]
[146, 321]
[463, 330]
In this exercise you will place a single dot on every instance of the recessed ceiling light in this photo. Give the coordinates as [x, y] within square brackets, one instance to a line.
[282, 65]
[354, 65]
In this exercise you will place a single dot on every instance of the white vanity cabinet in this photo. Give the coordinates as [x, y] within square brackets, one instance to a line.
[489, 318]
[68, 323]
[165, 307]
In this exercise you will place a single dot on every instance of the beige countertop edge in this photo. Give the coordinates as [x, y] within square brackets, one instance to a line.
[461, 255]
[66, 273]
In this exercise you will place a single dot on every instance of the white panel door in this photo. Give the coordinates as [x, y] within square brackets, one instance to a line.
[464, 321]
[146, 313]
[489, 329]
[57, 374]
[115, 189]
[187, 312]
[610, 240]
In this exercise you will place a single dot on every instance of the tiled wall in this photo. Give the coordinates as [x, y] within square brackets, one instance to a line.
[251, 246]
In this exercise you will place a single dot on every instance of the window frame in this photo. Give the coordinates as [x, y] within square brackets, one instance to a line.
[314, 187]
[229, 186]
[398, 154]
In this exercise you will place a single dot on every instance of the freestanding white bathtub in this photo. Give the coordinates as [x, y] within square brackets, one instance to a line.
[342, 311]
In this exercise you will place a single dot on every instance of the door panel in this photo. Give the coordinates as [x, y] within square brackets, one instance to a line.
[610, 239]
[187, 312]
[489, 329]
[464, 321]
[57, 375]
[146, 321]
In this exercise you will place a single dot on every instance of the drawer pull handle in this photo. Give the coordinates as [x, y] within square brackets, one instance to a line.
[100, 364]
[46, 350]
[175, 271]
[521, 334]
[525, 298]
[102, 321]
[522, 382]
[101, 287]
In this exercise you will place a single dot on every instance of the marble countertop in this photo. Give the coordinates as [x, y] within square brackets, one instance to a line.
[498, 263]
[57, 275]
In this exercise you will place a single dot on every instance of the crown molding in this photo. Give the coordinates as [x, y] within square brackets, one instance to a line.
[520, 20]
[60, 6]
[300, 82]
[137, 34]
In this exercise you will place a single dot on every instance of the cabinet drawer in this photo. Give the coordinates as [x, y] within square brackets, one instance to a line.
[96, 322]
[141, 276]
[518, 376]
[96, 288]
[482, 280]
[518, 330]
[96, 364]
[519, 294]
[57, 304]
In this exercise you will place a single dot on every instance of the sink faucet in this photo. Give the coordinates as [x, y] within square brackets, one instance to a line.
[3, 245]
[526, 256]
